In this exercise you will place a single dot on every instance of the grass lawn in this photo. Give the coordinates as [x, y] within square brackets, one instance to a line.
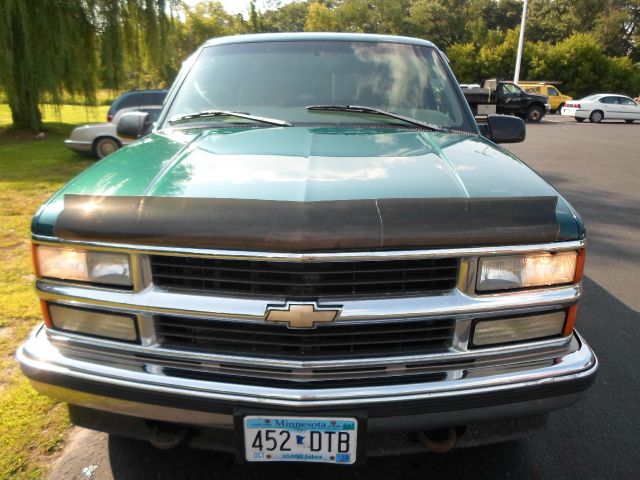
[32, 427]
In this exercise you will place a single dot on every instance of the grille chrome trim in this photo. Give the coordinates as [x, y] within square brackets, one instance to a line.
[310, 376]
[155, 354]
[320, 256]
[452, 304]
[374, 379]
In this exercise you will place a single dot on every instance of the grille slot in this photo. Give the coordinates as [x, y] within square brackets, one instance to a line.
[325, 341]
[305, 280]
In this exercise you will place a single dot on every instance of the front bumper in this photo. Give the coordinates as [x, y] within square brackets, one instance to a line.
[480, 394]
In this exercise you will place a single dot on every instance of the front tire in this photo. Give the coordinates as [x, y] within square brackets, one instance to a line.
[596, 116]
[535, 114]
[104, 146]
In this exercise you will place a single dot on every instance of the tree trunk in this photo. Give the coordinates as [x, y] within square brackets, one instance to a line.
[22, 92]
[25, 112]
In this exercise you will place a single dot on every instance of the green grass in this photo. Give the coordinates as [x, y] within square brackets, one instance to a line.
[32, 427]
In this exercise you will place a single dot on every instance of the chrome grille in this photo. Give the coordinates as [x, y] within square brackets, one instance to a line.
[305, 280]
[336, 340]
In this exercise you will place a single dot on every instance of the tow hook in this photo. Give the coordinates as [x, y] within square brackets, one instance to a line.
[165, 437]
[440, 440]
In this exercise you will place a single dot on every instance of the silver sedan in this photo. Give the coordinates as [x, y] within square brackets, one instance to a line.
[101, 139]
[602, 106]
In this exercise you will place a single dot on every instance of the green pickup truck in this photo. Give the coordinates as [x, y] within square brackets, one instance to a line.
[314, 255]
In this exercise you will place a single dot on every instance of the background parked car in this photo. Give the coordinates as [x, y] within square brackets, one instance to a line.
[101, 139]
[556, 98]
[603, 106]
[136, 98]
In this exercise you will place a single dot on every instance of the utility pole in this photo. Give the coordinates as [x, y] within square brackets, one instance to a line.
[516, 75]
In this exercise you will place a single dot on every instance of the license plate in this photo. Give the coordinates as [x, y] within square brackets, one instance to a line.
[300, 439]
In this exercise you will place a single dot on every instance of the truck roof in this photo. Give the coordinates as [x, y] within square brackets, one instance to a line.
[540, 82]
[317, 36]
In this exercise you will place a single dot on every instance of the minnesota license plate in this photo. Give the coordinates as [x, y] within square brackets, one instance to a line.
[300, 439]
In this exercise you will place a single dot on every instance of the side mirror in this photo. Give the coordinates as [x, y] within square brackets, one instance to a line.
[504, 129]
[134, 125]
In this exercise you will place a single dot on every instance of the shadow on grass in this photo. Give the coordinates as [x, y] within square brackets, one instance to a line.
[39, 158]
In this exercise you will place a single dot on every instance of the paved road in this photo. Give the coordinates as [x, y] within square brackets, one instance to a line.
[597, 167]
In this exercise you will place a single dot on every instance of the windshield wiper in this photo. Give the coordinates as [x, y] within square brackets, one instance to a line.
[375, 111]
[224, 113]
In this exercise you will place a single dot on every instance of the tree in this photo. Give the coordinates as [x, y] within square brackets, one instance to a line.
[206, 20]
[111, 48]
[441, 21]
[551, 20]
[357, 16]
[466, 63]
[290, 17]
[135, 41]
[46, 48]
[320, 19]
[578, 61]
[255, 22]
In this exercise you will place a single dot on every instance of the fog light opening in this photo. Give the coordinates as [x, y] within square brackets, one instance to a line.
[491, 332]
[96, 323]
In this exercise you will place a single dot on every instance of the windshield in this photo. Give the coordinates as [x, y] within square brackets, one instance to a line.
[280, 79]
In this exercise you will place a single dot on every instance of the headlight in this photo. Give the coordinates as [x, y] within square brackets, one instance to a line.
[522, 271]
[83, 265]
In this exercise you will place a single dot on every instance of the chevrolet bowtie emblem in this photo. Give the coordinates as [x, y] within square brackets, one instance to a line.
[300, 315]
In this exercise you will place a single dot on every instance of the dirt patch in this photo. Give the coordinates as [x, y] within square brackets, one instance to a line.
[85, 456]
[11, 135]
[5, 332]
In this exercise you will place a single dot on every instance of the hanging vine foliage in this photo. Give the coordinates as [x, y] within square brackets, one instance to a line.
[46, 49]
[53, 48]
[136, 49]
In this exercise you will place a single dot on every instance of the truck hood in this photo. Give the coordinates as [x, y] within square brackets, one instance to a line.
[301, 164]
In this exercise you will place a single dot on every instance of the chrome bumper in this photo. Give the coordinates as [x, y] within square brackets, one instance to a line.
[481, 393]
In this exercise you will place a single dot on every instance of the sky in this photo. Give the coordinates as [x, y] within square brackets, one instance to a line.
[240, 6]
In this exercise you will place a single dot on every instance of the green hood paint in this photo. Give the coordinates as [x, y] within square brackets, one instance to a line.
[309, 164]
